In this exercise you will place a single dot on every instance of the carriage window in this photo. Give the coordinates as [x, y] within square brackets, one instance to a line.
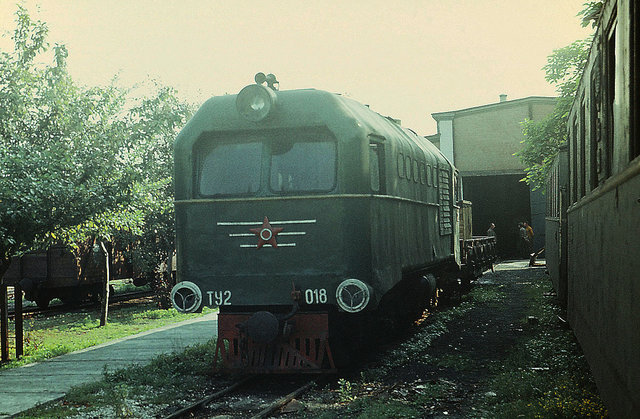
[610, 86]
[231, 169]
[374, 167]
[303, 166]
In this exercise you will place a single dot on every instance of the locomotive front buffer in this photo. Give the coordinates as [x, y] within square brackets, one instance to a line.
[264, 342]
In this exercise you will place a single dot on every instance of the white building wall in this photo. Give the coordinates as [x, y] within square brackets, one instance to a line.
[445, 128]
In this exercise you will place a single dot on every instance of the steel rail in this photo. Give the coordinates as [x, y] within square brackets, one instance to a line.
[284, 400]
[65, 308]
[205, 401]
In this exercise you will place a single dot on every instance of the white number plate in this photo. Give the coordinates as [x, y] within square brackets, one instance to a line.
[219, 298]
[315, 296]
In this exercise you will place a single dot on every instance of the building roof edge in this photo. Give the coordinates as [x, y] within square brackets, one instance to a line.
[451, 114]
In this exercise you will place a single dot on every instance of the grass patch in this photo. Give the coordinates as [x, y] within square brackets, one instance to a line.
[543, 375]
[377, 408]
[137, 391]
[121, 286]
[457, 362]
[372, 400]
[491, 295]
[412, 349]
[416, 348]
[546, 375]
[46, 338]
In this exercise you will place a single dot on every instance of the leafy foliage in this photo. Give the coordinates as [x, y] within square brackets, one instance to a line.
[591, 13]
[565, 66]
[152, 127]
[75, 163]
[60, 151]
[543, 139]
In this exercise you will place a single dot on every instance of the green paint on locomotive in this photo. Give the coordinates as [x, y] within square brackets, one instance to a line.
[356, 197]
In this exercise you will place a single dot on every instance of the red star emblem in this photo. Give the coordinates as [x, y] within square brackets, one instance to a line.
[266, 233]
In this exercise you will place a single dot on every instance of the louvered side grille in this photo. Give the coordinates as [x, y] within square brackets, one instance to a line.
[444, 182]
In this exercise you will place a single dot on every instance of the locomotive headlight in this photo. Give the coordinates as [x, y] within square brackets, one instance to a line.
[186, 297]
[255, 102]
[352, 295]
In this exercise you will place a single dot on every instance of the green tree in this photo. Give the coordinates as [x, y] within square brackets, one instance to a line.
[151, 128]
[76, 164]
[146, 220]
[564, 68]
[60, 150]
[542, 139]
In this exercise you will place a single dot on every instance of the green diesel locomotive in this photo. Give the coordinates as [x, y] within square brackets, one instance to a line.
[300, 214]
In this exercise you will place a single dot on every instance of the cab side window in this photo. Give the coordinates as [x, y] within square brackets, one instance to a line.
[376, 167]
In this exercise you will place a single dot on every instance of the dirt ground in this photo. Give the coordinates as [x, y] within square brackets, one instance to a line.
[447, 367]
[485, 335]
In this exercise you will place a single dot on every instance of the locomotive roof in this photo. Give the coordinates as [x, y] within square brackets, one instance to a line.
[391, 130]
[304, 108]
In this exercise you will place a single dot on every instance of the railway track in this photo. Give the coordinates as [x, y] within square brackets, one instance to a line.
[250, 397]
[32, 311]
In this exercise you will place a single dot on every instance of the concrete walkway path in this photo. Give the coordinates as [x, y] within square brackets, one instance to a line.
[24, 387]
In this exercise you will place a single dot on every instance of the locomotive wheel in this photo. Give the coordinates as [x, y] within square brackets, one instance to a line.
[72, 300]
[140, 281]
[341, 352]
[345, 338]
[73, 296]
[95, 295]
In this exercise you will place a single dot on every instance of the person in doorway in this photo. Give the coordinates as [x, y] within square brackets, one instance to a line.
[529, 231]
[523, 243]
[491, 232]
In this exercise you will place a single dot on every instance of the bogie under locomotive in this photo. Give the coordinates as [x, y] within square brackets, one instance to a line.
[303, 212]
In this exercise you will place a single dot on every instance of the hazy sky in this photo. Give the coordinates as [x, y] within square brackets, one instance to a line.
[405, 58]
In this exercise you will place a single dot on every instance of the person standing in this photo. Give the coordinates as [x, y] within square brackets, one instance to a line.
[523, 244]
[491, 232]
[529, 231]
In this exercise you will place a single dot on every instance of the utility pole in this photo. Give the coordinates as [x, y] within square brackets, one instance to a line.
[105, 290]
[17, 295]
[4, 322]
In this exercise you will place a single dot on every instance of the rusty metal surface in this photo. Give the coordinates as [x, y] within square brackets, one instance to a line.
[478, 254]
[305, 349]
[466, 220]
[60, 273]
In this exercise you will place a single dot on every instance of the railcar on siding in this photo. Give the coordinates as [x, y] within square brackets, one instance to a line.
[599, 277]
[72, 277]
[556, 224]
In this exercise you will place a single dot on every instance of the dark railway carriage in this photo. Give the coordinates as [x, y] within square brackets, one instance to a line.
[298, 211]
[74, 276]
[59, 273]
[602, 191]
[556, 224]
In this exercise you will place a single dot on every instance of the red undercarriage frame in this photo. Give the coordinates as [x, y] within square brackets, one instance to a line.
[303, 348]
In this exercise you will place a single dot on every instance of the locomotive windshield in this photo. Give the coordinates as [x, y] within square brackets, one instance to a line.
[231, 169]
[289, 163]
[303, 166]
